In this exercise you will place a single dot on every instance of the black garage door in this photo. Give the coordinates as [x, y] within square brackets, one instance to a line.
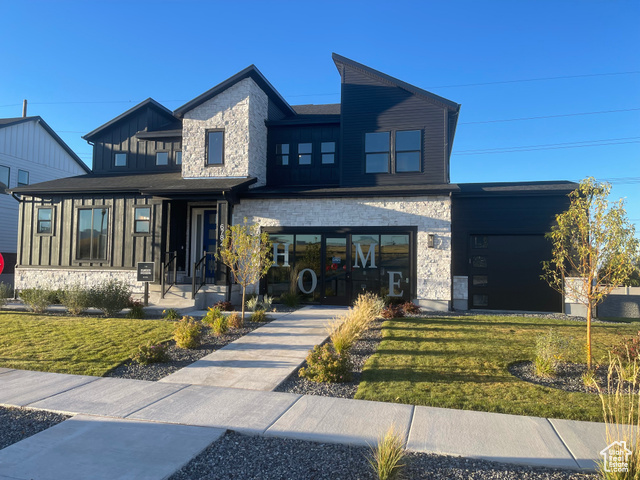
[504, 273]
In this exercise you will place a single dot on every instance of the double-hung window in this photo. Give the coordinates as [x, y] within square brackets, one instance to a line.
[92, 234]
[215, 147]
[408, 149]
[142, 220]
[305, 151]
[282, 154]
[377, 147]
[45, 221]
[328, 150]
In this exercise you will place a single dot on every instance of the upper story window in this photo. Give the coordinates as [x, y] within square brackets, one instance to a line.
[142, 220]
[377, 147]
[328, 151]
[305, 150]
[405, 155]
[92, 234]
[408, 150]
[120, 160]
[215, 147]
[23, 178]
[45, 221]
[179, 157]
[282, 154]
[4, 178]
[162, 158]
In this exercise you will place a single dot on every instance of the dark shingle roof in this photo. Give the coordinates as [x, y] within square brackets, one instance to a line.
[147, 183]
[7, 122]
[510, 188]
[327, 109]
[250, 72]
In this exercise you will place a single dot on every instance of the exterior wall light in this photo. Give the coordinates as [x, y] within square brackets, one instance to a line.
[431, 240]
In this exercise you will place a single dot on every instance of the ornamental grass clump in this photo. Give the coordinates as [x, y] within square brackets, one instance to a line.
[324, 364]
[258, 316]
[152, 353]
[551, 349]
[188, 333]
[621, 406]
[386, 458]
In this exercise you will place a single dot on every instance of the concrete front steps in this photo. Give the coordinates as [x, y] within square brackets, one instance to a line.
[179, 297]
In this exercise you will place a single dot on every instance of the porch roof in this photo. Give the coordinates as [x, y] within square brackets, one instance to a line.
[165, 184]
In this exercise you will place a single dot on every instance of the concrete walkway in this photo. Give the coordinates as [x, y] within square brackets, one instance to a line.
[137, 429]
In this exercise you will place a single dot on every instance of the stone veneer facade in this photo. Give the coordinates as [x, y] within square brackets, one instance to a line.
[431, 214]
[241, 111]
[55, 278]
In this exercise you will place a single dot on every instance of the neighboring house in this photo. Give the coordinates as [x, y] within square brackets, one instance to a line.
[356, 197]
[30, 152]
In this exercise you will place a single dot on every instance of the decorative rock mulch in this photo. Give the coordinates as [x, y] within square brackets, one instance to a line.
[181, 357]
[19, 423]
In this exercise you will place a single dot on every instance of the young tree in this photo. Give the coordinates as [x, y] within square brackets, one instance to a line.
[594, 242]
[247, 253]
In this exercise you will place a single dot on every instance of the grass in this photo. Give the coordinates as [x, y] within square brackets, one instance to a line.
[77, 345]
[461, 362]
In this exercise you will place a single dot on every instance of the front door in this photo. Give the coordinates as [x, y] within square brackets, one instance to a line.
[337, 274]
[203, 240]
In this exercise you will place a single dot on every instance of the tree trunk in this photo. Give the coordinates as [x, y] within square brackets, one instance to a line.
[244, 289]
[589, 336]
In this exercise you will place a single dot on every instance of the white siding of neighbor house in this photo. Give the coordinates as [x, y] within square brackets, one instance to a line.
[28, 146]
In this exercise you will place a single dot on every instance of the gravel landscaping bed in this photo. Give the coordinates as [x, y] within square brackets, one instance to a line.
[364, 347]
[19, 423]
[237, 456]
[180, 357]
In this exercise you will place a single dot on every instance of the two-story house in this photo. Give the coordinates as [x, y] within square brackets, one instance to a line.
[30, 152]
[356, 197]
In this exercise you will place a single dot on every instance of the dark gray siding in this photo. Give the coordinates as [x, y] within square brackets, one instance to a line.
[124, 248]
[141, 154]
[294, 174]
[369, 105]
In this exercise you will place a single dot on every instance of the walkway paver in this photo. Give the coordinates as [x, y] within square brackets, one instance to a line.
[247, 411]
[99, 448]
[22, 387]
[264, 358]
[490, 436]
[339, 420]
[111, 397]
[583, 439]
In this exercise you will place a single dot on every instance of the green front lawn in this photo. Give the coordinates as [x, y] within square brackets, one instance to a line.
[461, 362]
[79, 345]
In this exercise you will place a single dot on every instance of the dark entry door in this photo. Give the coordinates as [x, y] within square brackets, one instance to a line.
[337, 272]
[209, 243]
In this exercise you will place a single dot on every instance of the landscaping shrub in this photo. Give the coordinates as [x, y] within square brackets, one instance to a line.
[37, 299]
[393, 311]
[170, 314]
[6, 292]
[152, 353]
[393, 300]
[188, 333]
[410, 308]
[628, 349]
[235, 321]
[224, 306]
[111, 297]
[56, 296]
[324, 364]
[387, 456]
[369, 304]
[212, 315]
[220, 326]
[258, 316]
[137, 309]
[76, 299]
[551, 349]
[290, 299]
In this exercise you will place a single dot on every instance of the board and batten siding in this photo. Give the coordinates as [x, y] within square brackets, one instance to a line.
[28, 146]
[124, 248]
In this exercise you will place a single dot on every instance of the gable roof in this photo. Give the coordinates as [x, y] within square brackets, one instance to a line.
[250, 72]
[7, 122]
[432, 97]
[149, 102]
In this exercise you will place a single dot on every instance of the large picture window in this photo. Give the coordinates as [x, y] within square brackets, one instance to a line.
[377, 148]
[93, 224]
[215, 147]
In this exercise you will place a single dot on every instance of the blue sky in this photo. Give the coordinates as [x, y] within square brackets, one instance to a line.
[80, 64]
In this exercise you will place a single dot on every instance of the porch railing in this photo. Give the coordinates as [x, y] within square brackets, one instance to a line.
[199, 278]
[169, 272]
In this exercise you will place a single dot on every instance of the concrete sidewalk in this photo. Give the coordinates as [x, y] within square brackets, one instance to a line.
[153, 428]
[264, 358]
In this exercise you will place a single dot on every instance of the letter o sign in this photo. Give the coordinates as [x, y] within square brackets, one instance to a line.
[314, 281]
[1, 263]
